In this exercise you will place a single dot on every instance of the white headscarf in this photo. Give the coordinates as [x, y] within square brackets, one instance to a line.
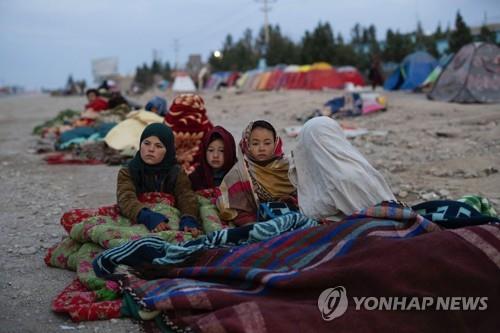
[331, 175]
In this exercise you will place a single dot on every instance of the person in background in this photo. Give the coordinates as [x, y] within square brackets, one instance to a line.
[157, 105]
[95, 102]
[375, 73]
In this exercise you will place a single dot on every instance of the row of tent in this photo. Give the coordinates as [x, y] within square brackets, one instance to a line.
[472, 75]
[311, 77]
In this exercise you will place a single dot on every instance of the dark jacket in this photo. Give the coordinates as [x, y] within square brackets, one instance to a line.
[177, 184]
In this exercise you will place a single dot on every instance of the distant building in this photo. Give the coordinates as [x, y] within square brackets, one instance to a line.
[194, 65]
[104, 68]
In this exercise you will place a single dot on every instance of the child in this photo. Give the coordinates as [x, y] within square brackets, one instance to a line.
[219, 157]
[157, 105]
[333, 178]
[260, 175]
[95, 102]
[154, 169]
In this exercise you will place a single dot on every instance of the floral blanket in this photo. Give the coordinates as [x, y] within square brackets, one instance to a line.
[90, 231]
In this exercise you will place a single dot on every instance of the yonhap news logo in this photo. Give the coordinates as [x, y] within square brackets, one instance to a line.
[333, 303]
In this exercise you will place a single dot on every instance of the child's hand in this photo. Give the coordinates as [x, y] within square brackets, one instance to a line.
[194, 231]
[161, 227]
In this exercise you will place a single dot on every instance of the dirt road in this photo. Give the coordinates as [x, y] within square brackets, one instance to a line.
[427, 150]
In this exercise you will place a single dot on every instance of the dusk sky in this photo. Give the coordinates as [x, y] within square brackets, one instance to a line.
[43, 41]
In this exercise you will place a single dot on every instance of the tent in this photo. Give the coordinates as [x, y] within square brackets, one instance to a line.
[351, 74]
[431, 79]
[473, 76]
[412, 71]
[183, 84]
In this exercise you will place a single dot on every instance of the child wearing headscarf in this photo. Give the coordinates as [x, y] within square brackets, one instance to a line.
[260, 175]
[154, 169]
[217, 158]
[332, 177]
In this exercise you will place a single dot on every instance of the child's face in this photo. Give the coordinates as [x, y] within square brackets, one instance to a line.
[261, 144]
[215, 154]
[91, 96]
[152, 150]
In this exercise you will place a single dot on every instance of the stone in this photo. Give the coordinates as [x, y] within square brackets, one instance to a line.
[28, 250]
[403, 194]
[429, 196]
[444, 193]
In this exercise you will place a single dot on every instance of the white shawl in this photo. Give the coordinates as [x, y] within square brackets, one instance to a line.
[331, 175]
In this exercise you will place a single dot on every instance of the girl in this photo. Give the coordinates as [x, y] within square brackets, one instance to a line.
[219, 157]
[154, 169]
[333, 179]
[260, 175]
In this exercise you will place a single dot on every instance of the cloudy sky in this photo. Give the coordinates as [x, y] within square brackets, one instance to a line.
[43, 41]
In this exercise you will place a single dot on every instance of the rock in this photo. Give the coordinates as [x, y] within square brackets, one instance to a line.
[28, 250]
[470, 174]
[447, 134]
[489, 171]
[403, 194]
[429, 196]
[444, 193]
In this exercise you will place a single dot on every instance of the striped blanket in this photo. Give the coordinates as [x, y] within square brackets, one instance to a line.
[274, 285]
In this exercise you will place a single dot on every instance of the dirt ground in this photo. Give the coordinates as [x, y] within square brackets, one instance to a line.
[426, 150]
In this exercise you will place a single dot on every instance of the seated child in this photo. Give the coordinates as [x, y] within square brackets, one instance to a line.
[154, 169]
[260, 175]
[332, 177]
[219, 157]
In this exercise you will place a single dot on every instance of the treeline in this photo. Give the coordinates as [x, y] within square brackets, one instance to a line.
[323, 45]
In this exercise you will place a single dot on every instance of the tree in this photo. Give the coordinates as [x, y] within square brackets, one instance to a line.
[318, 45]
[397, 46]
[281, 49]
[344, 54]
[486, 35]
[460, 36]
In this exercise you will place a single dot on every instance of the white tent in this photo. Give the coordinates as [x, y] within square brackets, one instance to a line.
[183, 84]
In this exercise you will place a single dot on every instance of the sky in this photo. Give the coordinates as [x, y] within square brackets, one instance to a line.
[42, 42]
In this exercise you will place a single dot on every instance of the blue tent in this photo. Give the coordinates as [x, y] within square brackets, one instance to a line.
[412, 71]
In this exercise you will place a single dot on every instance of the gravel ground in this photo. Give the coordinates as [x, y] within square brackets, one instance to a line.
[427, 150]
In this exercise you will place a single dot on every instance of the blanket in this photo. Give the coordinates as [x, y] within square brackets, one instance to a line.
[382, 251]
[90, 231]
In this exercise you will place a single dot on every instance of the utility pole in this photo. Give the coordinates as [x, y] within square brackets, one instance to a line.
[176, 51]
[266, 9]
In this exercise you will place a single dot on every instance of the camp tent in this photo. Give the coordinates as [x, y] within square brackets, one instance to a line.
[412, 71]
[472, 76]
[183, 83]
[431, 79]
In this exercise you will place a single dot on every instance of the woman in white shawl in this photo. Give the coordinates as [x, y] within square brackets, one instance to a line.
[332, 177]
